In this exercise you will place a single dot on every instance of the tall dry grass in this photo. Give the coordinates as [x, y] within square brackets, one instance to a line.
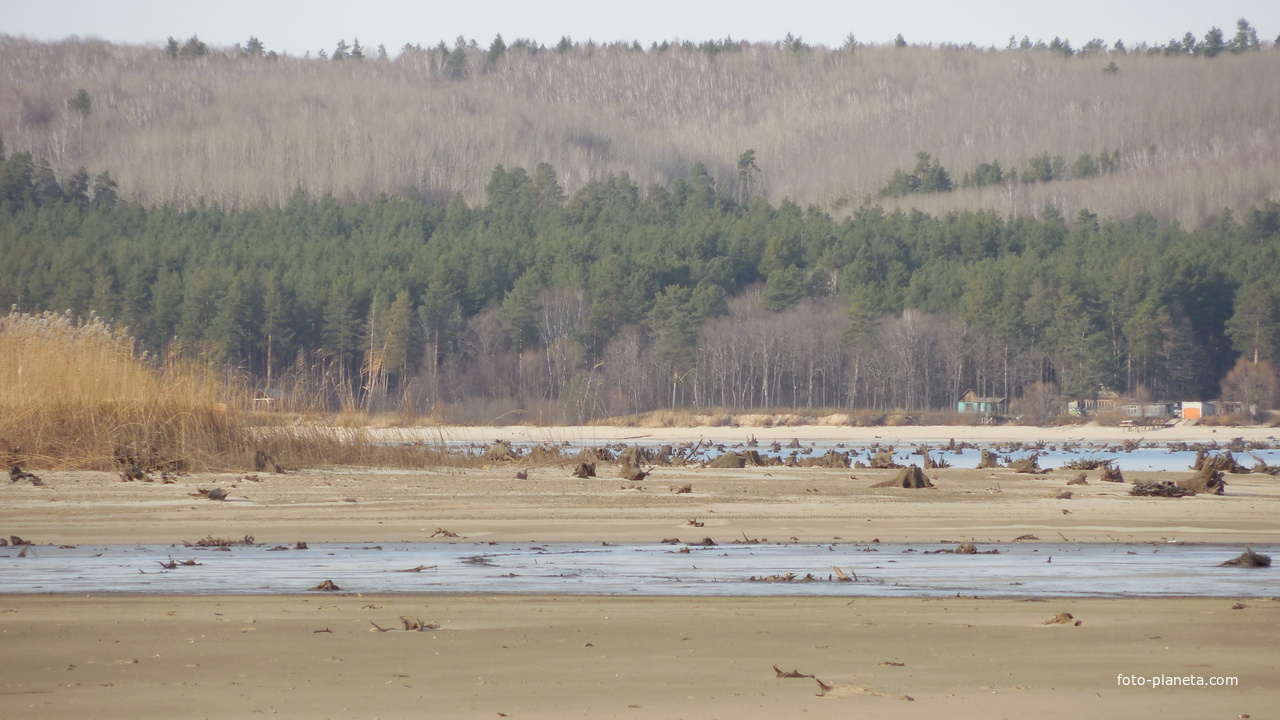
[78, 394]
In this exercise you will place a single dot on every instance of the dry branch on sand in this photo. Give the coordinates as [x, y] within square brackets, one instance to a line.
[1065, 618]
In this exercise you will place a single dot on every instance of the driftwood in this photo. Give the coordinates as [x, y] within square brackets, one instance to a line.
[1249, 558]
[262, 461]
[584, 470]
[682, 490]
[1065, 618]
[989, 460]
[883, 460]
[441, 532]
[326, 586]
[1112, 474]
[631, 473]
[842, 577]
[1167, 488]
[729, 460]
[211, 493]
[831, 459]
[1208, 480]
[1028, 466]
[500, 451]
[1080, 479]
[17, 474]
[790, 674]
[912, 477]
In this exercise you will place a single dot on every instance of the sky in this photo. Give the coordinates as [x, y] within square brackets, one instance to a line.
[300, 26]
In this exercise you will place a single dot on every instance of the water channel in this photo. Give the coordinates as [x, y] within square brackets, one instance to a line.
[881, 570]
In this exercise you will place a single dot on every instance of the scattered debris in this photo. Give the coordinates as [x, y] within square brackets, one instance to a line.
[1081, 479]
[441, 532]
[1062, 495]
[213, 542]
[327, 586]
[682, 490]
[173, 564]
[695, 522]
[133, 472]
[1088, 464]
[522, 475]
[16, 541]
[1065, 618]
[1249, 558]
[1025, 537]
[791, 674]
[211, 493]
[840, 576]
[963, 549]
[584, 470]
[823, 688]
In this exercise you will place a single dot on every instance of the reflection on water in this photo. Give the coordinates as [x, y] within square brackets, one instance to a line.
[1019, 570]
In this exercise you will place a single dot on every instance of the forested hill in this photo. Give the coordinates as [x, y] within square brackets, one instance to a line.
[617, 298]
[1180, 130]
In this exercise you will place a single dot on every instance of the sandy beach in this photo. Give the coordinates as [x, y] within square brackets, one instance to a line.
[318, 655]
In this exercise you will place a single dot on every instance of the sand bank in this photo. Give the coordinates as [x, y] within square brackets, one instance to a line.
[319, 656]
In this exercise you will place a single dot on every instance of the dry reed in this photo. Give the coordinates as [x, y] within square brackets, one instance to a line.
[77, 394]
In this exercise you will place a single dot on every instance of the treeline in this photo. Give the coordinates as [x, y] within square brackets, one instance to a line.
[185, 122]
[617, 298]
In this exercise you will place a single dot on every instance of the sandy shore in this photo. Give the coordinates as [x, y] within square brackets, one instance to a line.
[534, 657]
[538, 657]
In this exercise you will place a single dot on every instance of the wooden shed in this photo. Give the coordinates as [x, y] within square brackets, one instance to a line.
[972, 404]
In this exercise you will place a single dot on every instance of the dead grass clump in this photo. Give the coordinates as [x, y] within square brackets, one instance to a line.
[74, 392]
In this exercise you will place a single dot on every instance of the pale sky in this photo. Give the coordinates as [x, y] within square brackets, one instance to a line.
[299, 26]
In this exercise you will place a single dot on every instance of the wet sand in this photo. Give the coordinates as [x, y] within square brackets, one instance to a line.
[109, 656]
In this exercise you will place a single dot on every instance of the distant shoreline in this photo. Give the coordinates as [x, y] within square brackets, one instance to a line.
[579, 434]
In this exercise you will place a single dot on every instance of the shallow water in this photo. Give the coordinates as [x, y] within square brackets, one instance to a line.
[1152, 458]
[882, 570]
